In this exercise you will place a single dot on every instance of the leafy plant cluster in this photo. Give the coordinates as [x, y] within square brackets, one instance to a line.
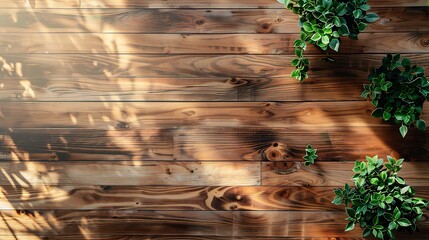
[380, 202]
[398, 91]
[310, 155]
[323, 22]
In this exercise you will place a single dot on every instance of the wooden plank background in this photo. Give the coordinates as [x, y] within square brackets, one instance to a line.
[131, 119]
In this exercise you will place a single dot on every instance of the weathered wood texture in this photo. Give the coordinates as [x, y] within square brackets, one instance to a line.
[404, 42]
[140, 173]
[188, 20]
[136, 131]
[106, 66]
[85, 88]
[171, 223]
[150, 119]
[178, 4]
[173, 198]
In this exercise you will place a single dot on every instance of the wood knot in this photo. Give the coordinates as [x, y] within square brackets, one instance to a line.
[238, 82]
[25, 212]
[200, 21]
[276, 152]
[106, 187]
[123, 125]
[189, 113]
[385, 20]
[265, 28]
[424, 42]
[54, 156]
[266, 113]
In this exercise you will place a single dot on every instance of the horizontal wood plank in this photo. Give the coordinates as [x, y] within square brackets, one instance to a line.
[182, 89]
[201, 131]
[179, 4]
[188, 20]
[28, 67]
[135, 173]
[205, 237]
[171, 198]
[173, 223]
[334, 174]
[407, 42]
[212, 144]
[143, 115]
[289, 143]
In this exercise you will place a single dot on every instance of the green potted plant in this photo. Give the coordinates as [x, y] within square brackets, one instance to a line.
[398, 90]
[380, 202]
[323, 22]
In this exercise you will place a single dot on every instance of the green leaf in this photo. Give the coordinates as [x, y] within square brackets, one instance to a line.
[405, 189]
[345, 30]
[403, 130]
[341, 10]
[386, 116]
[403, 222]
[295, 73]
[400, 180]
[337, 201]
[337, 21]
[307, 27]
[377, 113]
[393, 226]
[421, 124]
[325, 39]
[406, 62]
[364, 94]
[295, 62]
[366, 232]
[310, 155]
[334, 44]
[371, 17]
[350, 212]
[350, 226]
[357, 13]
[396, 213]
[362, 26]
[420, 70]
[316, 37]
[388, 199]
[298, 52]
[383, 175]
[365, 7]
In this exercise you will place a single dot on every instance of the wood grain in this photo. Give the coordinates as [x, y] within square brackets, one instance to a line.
[201, 131]
[205, 237]
[300, 223]
[406, 42]
[212, 144]
[134, 173]
[178, 4]
[143, 115]
[188, 20]
[167, 198]
[334, 174]
[106, 66]
[171, 198]
[182, 89]
[176, 223]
